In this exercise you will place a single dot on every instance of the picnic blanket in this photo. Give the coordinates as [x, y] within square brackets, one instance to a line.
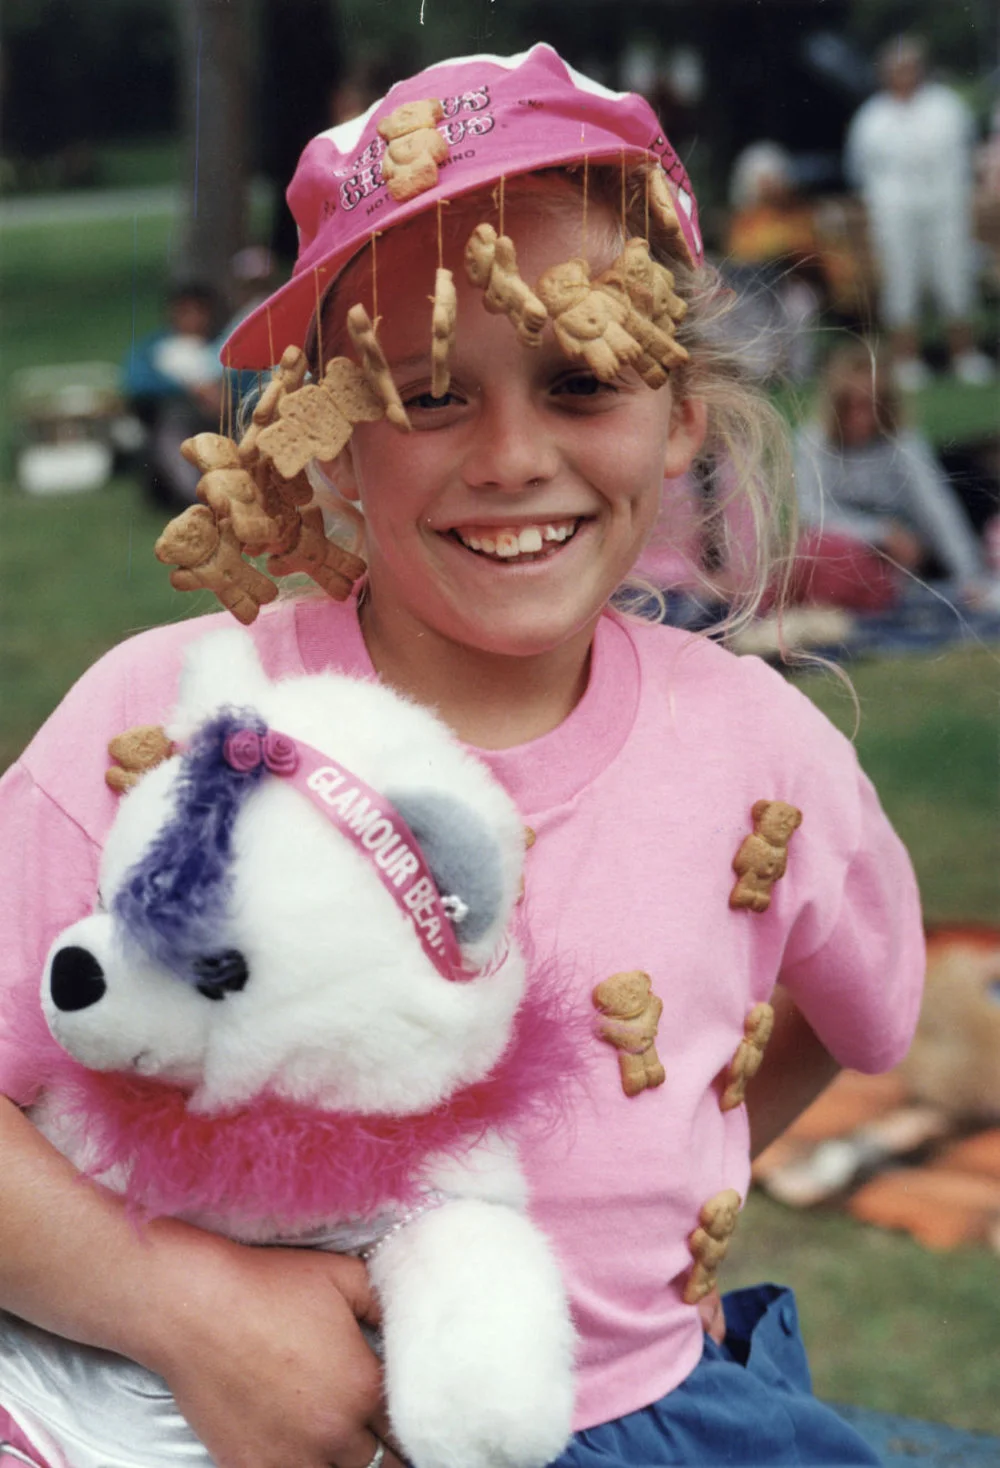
[926, 618]
[888, 1149]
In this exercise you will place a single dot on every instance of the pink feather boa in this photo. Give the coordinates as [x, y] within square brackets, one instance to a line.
[290, 1165]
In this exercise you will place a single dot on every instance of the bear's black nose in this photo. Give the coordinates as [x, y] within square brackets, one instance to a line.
[76, 980]
[220, 973]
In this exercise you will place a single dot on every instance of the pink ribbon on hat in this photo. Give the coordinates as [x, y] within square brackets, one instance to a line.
[372, 825]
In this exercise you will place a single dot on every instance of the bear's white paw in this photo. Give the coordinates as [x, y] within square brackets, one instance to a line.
[478, 1342]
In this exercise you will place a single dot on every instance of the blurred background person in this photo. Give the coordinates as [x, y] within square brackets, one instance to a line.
[773, 252]
[172, 382]
[869, 488]
[909, 151]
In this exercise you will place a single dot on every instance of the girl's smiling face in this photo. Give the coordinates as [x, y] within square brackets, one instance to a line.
[522, 498]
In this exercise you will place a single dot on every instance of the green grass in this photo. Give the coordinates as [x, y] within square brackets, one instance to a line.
[77, 575]
[946, 411]
[83, 292]
[887, 1323]
[125, 165]
[930, 739]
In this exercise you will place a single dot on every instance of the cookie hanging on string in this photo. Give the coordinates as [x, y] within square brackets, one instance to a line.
[316, 422]
[653, 310]
[375, 367]
[208, 556]
[331, 566]
[589, 318]
[491, 265]
[661, 204]
[444, 318]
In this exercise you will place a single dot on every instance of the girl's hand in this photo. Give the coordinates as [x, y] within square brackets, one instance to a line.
[261, 1347]
[264, 1355]
[713, 1317]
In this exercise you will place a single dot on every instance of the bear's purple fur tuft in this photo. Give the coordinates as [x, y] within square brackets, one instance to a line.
[172, 903]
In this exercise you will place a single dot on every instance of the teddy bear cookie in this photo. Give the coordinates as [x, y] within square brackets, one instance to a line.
[444, 319]
[231, 491]
[653, 310]
[415, 148]
[709, 1243]
[745, 1064]
[491, 265]
[328, 564]
[315, 421]
[135, 751]
[207, 555]
[256, 497]
[589, 318]
[763, 856]
[630, 1015]
[361, 329]
[664, 211]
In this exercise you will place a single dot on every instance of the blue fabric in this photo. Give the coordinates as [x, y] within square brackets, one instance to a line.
[747, 1402]
[927, 618]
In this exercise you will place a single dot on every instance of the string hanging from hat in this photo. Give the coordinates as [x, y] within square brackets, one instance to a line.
[440, 236]
[270, 335]
[646, 181]
[227, 393]
[319, 323]
[586, 173]
[375, 235]
[503, 184]
[624, 210]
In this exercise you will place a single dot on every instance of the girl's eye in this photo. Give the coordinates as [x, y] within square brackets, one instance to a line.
[427, 402]
[583, 385]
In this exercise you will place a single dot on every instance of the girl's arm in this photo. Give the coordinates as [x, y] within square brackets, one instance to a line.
[797, 1067]
[261, 1347]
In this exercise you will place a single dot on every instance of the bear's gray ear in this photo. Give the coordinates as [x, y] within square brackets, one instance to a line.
[463, 855]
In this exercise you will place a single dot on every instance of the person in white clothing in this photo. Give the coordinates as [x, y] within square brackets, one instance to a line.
[909, 153]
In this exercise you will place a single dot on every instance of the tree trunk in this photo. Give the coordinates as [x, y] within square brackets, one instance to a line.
[216, 48]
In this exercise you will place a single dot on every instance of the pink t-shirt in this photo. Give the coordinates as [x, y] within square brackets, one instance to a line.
[639, 802]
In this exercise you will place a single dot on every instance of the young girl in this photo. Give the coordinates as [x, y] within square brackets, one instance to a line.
[497, 533]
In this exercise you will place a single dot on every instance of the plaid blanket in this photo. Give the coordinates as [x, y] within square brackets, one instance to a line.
[891, 1156]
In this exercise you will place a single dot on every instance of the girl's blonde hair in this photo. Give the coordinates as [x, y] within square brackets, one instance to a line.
[746, 520]
[747, 523]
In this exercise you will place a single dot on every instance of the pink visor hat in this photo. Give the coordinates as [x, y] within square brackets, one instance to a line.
[503, 115]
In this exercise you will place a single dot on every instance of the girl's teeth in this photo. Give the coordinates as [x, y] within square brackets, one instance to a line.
[507, 544]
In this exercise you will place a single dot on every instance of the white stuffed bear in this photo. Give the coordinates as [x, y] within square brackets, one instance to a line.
[302, 936]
